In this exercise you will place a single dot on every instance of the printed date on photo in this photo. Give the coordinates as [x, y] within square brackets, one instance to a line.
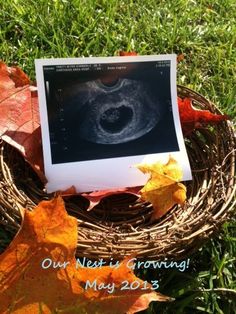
[125, 285]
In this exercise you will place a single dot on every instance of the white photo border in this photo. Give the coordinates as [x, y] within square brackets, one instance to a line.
[109, 173]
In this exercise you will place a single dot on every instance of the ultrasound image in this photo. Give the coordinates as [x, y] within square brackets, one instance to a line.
[114, 114]
[101, 114]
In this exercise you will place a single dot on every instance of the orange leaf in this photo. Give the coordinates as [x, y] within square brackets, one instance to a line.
[163, 189]
[18, 76]
[127, 53]
[180, 57]
[29, 285]
[192, 118]
[19, 116]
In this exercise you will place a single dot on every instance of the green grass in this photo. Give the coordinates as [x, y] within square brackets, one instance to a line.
[209, 284]
[205, 32]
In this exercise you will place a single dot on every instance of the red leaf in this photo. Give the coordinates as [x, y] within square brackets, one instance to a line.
[192, 118]
[19, 116]
[68, 192]
[126, 53]
[96, 197]
[18, 76]
[180, 57]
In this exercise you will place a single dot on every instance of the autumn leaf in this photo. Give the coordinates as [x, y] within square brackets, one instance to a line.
[163, 189]
[19, 116]
[180, 57]
[28, 285]
[18, 76]
[192, 118]
[127, 53]
[95, 198]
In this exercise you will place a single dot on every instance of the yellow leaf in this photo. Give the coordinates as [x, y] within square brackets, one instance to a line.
[163, 189]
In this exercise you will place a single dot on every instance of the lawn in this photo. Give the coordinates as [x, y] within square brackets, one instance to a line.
[204, 32]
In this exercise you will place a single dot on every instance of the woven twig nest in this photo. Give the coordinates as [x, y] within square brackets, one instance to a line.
[120, 224]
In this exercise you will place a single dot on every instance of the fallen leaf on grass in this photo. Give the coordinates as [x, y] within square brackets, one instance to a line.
[192, 118]
[180, 57]
[19, 116]
[127, 53]
[26, 287]
[163, 189]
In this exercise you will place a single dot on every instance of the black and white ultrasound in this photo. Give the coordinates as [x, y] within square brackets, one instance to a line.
[98, 111]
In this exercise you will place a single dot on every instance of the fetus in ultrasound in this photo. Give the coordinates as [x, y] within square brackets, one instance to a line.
[113, 113]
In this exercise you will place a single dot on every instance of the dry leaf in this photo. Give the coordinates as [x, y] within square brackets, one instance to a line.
[192, 118]
[180, 57]
[19, 116]
[18, 76]
[95, 198]
[163, 189]
[25, 287]
[127, 53]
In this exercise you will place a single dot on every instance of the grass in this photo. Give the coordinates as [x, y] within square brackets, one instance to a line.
[205, 33]
[209, 284]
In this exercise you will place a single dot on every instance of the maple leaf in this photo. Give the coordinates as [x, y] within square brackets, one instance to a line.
[192, 118]
[163, 189]
[28, 285]
[19, 116]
